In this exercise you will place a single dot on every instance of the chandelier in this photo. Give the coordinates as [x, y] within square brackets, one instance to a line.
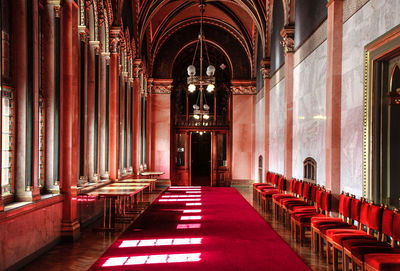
[201, 108]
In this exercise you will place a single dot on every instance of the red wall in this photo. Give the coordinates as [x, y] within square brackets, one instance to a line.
[243, 134]
[160, 133]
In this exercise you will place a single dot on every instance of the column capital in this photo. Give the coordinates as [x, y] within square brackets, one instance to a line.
[57, 11]
[137, 67]
[287, 34]
[115, 38]
[266, 67]
[106, 56]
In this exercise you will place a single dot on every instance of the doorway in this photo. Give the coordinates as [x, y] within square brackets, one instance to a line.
[201, 159]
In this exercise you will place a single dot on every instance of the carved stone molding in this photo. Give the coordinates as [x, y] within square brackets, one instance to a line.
[287, 34]
[245, 87]
[160, 86]
[137, 67]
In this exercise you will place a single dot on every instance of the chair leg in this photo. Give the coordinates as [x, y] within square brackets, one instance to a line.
[327, 248]
[335, 258]
[301, 228]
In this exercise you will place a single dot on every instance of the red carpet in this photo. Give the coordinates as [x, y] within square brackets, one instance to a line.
[223, 233]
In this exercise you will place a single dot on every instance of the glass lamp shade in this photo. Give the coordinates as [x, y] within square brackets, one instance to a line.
[206, 107]
[206, 117]
[196, 117]
[210, 70]
[192, 88]
[210, 88]
[191, 70]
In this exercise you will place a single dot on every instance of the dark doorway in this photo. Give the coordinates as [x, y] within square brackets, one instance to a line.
[201, 159]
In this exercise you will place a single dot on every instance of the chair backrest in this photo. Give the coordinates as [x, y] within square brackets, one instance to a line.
[374, 221]
[281, 183]
[364, 212]
[346, 206]
[341, 203]
[299, 190]
[313, 194]
[268, 177]
[396, 227]
[355, 209]
[326, 202]
[387, 221]
[293, 186]
[306, 190]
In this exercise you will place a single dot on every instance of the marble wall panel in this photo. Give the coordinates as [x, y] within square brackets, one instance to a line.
[277, 128]
[374, 19]
[243, 137]
[259, 139]
[160, 133]
[27, 233]
[309, 112]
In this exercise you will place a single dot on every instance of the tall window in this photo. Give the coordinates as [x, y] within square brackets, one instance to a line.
[41, 105]
[7, 105]
[310, 170]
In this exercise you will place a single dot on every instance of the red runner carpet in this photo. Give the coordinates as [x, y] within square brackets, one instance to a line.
[193, 228]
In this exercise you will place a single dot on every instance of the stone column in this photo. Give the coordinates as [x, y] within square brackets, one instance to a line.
[266, 68]
[136, 116]
[69, 124]
[114, 106]
[91, 77]
[333, 95]
[105, 58]
[49, 83]
[288, 43]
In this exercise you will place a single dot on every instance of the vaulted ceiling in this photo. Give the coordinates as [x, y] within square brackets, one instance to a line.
[164, 28]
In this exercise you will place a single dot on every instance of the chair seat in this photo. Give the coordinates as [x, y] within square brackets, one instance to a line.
[304, 217]
[304, 209]
[257, 184]
[278, 197]
[340, 237]
[269, 192]
[365, 241]
[324, 228]
[333, 232]
[383, 261]
[323, 219]
[361, 251]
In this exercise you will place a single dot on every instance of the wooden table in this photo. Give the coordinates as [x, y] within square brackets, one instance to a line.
[118, 196]
[151, 174]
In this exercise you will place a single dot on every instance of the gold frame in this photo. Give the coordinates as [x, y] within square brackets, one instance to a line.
[374, 51]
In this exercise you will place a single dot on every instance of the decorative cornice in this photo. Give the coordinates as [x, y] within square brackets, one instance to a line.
[245, 87]
[160, 86]
[287, 34]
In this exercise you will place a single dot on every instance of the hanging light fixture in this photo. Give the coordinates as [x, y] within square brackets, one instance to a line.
[201, 108]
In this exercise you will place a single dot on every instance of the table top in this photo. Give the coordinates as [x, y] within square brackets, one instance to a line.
[137, 181]
[113, 191]
[147, 173]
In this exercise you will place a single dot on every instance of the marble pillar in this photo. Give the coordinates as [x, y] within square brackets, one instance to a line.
[69, 119]
[136, 117]
[114, 108]
[266, 74]
[288, 42]
[333, 95]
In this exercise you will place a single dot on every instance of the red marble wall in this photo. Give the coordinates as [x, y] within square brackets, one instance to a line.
[28, 229]
[160, 124]
[243, 133]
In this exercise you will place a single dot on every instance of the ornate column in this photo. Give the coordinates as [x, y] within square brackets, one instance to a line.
[266, 68]
[69, 124]
[137, 63]
[90, 103]
[114, 106]
[287, 34]
[49, 86]
[333, 95]
[104, 89]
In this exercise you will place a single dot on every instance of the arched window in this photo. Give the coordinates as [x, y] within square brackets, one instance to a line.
[310, 170]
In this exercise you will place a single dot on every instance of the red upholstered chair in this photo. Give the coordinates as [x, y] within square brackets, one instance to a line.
[278, 197]
[370, 219]
[258, 187]
[384, 259]
[266, 194]
[320, 223]
[301, 218]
